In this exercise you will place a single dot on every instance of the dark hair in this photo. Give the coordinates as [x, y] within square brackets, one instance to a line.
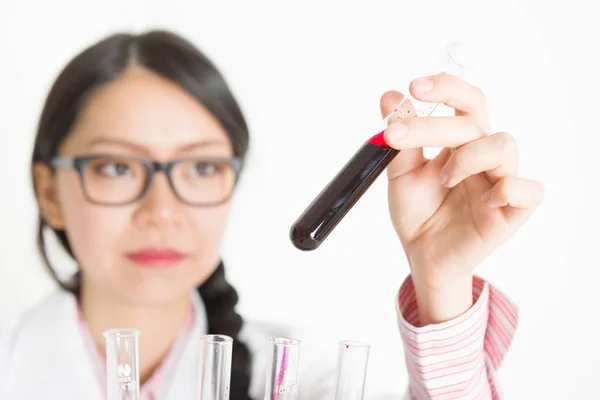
[178, 60]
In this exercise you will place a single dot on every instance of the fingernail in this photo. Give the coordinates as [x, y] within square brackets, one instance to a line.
[486, 196]
[423, 85]
[397, 131]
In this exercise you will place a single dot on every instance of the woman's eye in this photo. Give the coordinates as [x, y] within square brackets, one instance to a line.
[114, 169]
[203, 169]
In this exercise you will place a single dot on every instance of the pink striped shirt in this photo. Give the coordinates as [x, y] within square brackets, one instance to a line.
[457, 359]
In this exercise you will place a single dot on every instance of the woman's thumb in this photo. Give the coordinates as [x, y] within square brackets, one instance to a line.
[396, 103]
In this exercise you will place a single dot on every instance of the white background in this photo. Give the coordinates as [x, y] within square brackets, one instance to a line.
[313, 72]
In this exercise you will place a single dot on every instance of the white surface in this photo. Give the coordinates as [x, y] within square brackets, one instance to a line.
[309, 73]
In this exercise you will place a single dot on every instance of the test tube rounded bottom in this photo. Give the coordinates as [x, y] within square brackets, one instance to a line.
[282, 369]
[215, 367]
[122, 364]
[351, 373]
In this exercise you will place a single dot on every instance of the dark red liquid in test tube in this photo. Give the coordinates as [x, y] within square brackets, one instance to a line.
[341, 193]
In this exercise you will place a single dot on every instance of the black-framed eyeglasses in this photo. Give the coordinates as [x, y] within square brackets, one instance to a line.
[120, 180]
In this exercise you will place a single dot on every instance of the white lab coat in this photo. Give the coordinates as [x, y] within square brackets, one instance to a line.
[43, 356]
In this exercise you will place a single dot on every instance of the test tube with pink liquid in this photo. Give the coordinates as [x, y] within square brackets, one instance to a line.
[282, 369]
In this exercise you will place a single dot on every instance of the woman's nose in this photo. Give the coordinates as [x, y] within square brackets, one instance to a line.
[160, 207]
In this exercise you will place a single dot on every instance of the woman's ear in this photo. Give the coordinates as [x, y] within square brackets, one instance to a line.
[45, 190]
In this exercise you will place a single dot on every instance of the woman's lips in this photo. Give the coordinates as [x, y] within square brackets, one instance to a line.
[156, 258]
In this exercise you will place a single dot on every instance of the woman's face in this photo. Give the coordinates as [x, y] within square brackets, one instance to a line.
[156, 249]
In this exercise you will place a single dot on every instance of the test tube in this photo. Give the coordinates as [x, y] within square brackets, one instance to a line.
[338, 197]
[282, 369]
[122, 364]
[351, 374]
[215, 367]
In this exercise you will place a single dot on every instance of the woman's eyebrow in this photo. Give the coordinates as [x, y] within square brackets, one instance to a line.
[141, 148]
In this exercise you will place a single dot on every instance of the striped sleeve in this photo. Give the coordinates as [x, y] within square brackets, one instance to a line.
[457, 359]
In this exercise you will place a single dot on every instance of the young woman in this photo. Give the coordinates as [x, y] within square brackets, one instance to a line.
[138, 151]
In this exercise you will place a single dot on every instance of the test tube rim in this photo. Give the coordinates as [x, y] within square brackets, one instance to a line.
[455, 59]
[217, 339]
[355, 344]
[280, 341]
[122, 333]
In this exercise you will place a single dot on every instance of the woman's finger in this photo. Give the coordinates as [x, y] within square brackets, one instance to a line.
[520, 197]
[496, 155]
[433, 132]
[454, 92]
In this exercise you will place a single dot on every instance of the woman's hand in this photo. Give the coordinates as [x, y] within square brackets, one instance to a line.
[452, 211]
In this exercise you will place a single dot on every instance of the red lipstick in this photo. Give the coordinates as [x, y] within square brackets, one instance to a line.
[157, 258]
[342, 192]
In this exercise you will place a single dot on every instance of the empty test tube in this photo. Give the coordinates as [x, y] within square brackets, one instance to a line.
[122, 361]
[282, 369]
[215, 367]
[351, 373]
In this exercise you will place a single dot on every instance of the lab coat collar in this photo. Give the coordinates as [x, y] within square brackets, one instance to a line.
[47, 356]
[45, 353]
